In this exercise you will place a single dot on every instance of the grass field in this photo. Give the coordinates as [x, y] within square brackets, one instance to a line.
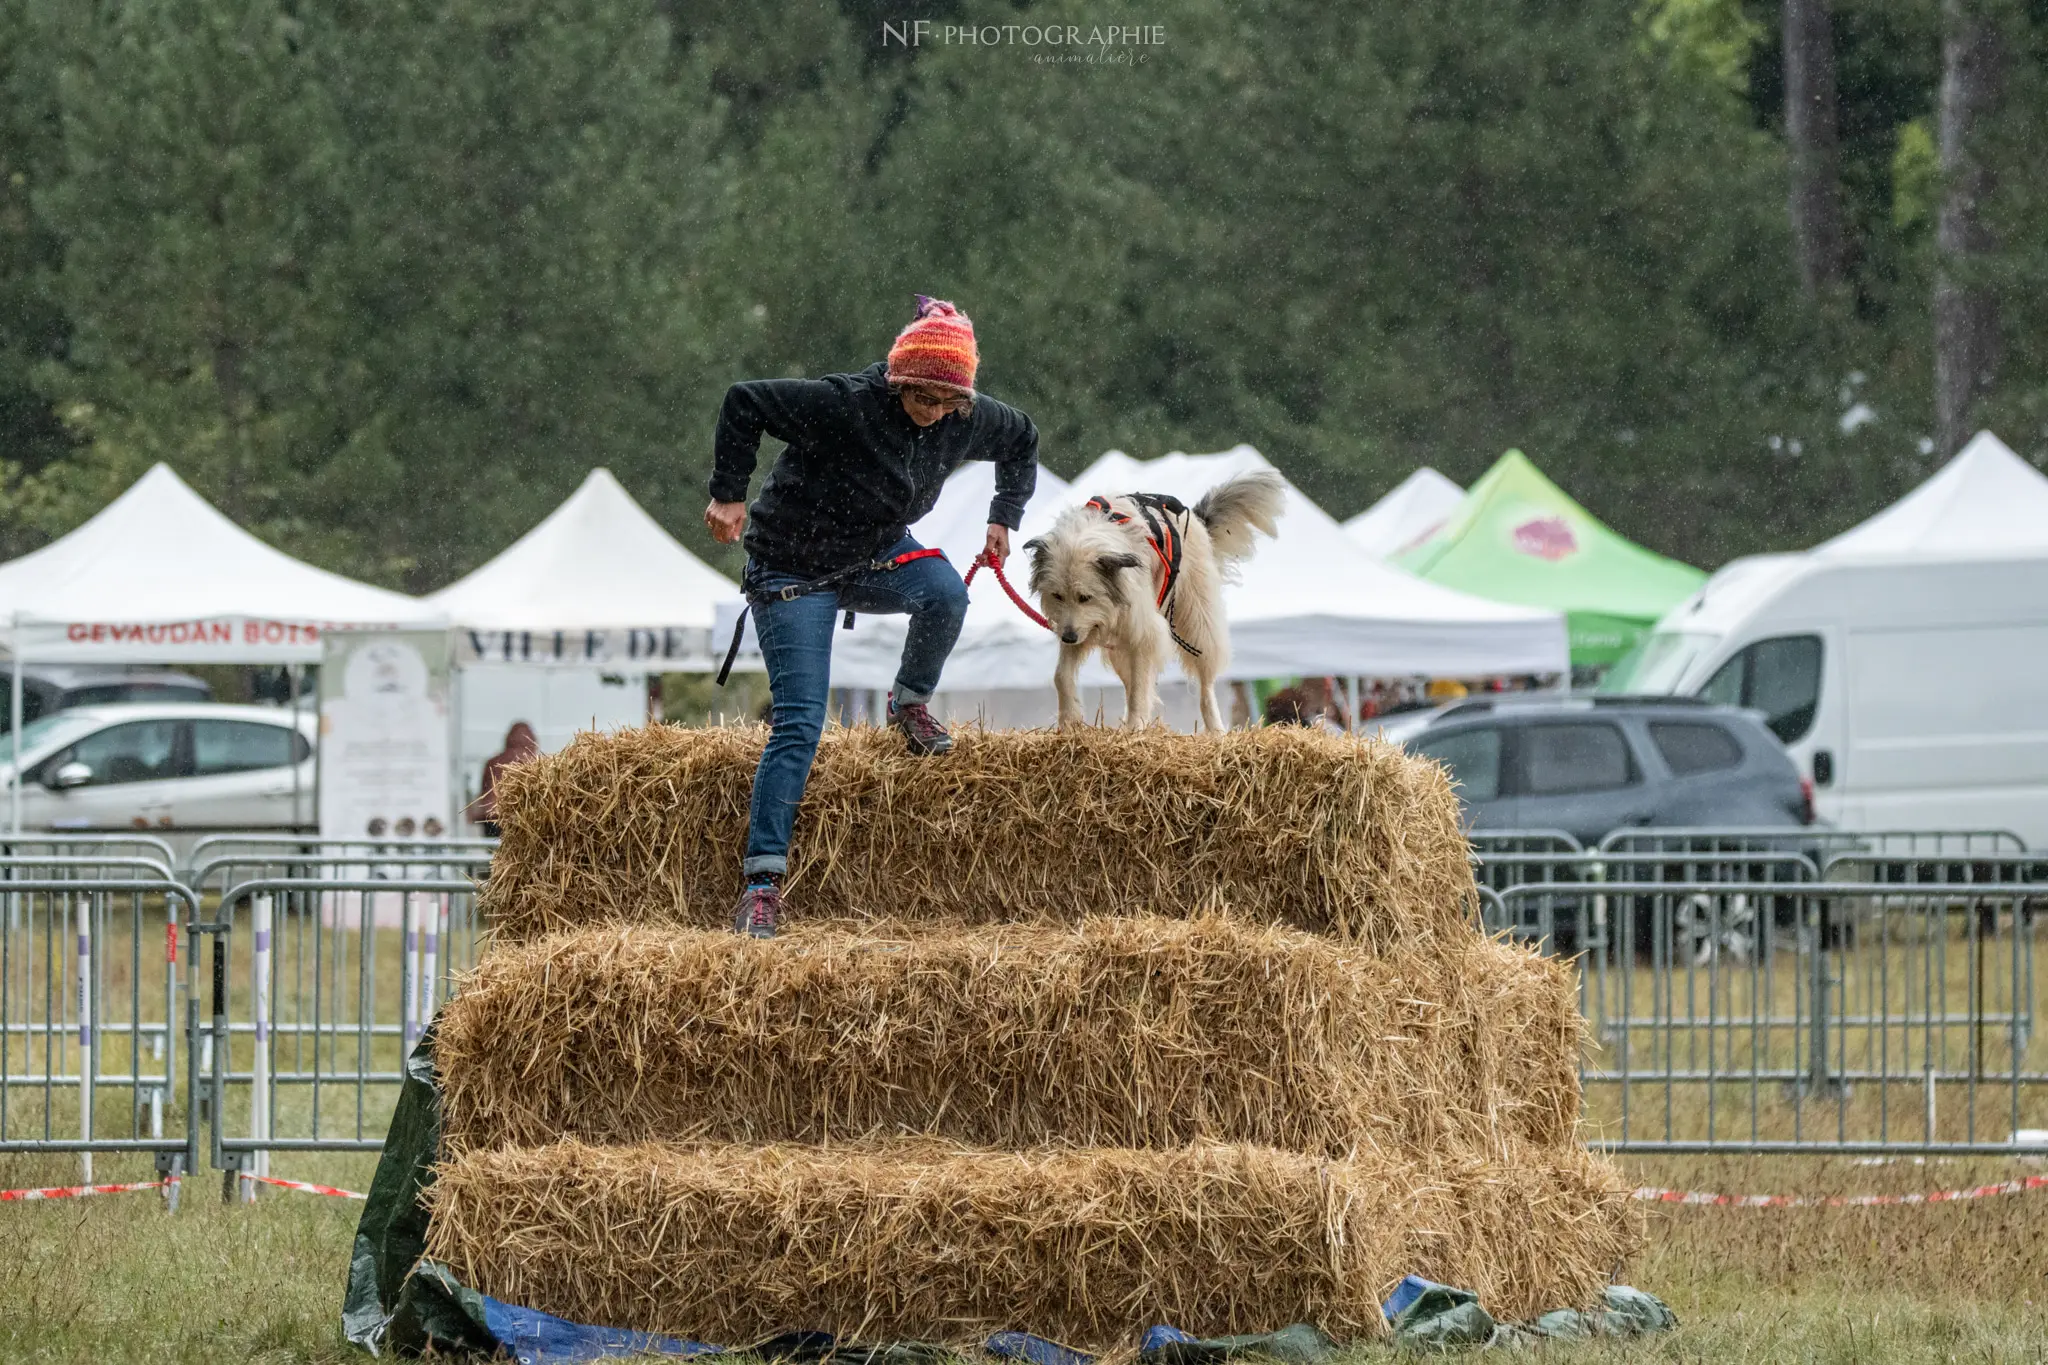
[117, 1280]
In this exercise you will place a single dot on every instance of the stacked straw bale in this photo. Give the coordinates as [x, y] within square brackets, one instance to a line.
[1331, 835]
[1077, 1032]
[920, 1240]
[1138, 1032]
[1518, 1014]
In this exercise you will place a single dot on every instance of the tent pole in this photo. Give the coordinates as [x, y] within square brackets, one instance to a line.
[291, 683]
[458, 767]
[14, 720]
[319, 743]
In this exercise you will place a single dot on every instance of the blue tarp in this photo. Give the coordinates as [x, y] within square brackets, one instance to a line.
[1423, 1314]
[1034, 1350]
[1405, 1293]
[536, 1338]
[1428, 1316]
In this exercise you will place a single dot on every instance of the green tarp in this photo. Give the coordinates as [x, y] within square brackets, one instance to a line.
[1518, 537]
[1442, 1318]
[385, 1304]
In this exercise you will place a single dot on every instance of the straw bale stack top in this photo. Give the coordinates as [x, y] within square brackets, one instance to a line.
[1330, 834]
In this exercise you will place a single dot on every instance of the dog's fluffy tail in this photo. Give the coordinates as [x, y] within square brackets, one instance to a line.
[1232, 509]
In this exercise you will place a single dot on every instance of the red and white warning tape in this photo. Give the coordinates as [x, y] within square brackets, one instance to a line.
[1840, 1201]
[303, 1187]
[80, 1191]
[1648, 1194]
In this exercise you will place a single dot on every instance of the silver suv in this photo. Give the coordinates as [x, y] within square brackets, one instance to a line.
[1591, 765]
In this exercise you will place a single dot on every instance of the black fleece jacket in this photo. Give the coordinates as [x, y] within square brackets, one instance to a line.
[857, 470]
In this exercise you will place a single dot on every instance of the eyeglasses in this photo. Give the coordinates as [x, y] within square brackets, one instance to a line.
[958, 404]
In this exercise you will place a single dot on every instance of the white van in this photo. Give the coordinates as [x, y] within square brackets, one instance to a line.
[1904, 664]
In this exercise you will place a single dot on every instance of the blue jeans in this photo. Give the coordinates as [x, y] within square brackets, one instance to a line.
[796, 644]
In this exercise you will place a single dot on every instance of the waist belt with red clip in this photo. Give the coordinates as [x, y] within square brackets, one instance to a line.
[1158, 511]
[795, 590]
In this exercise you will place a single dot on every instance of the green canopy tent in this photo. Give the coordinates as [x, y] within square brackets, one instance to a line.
[1518, 537]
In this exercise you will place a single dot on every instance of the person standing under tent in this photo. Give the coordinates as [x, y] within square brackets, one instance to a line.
[866, 455]
[1310, 703]
[521, 744]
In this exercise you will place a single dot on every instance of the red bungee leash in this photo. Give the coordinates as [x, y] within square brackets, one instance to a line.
[997, 568]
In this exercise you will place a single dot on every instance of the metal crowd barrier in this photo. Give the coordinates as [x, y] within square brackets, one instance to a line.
[220, 861]
[1744, 990]
[1487, 842]
[1571, 923]
[321, 986]
[328, 956]
[82, 852]
[1872, 1017]
[1999, 868]
[331, 958]
[88, 1004]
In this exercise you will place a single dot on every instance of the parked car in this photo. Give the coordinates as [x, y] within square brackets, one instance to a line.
[49, 688]
[1592, 765]
[1399, 727]
[1588, 766]
[164, 766]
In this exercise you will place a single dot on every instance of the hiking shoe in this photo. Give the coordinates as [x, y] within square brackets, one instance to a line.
[921, 732]
[760, 906]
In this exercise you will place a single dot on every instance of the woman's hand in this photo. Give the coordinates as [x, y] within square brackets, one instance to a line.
[726, 520]
[997, 548]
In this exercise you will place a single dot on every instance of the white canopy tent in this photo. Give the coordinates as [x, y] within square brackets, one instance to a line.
[160, 576]
[1408, 514]
[562, 629]
[1310, 603]
[1921, 670]
[958, 523]
[1986, 503]
[599, 582]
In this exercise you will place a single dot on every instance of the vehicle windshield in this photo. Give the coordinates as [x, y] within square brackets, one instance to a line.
[48, 732]
[1654, 667]
[1400, 728]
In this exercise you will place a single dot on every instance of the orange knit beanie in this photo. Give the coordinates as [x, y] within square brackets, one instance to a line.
[937, 348]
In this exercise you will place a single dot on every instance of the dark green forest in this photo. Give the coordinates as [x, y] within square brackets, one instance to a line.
[384, 280]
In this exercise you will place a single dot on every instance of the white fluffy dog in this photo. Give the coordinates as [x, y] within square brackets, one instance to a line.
[1140, 576]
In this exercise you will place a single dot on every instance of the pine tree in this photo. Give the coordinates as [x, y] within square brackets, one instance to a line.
[196, 210]
[34, 331]
[1814, 143]
[526, 186]
[1966, 330]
